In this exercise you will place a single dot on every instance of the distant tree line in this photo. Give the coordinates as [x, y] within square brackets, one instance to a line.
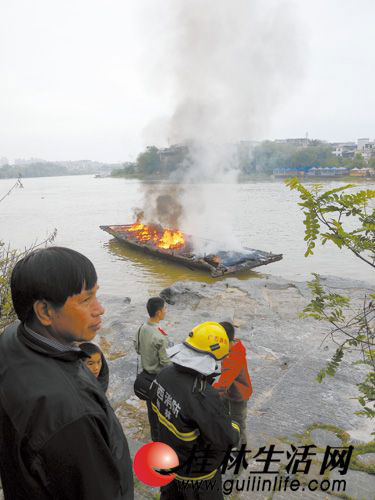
[42, 169]
[147, 164]
[51, 169]
[269, 155]
[264, 158]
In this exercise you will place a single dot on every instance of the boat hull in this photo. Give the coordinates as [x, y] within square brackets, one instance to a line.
[259, 258]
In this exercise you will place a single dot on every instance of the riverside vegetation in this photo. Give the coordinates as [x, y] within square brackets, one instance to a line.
[327, 218]
[264, 158]
[41, 168]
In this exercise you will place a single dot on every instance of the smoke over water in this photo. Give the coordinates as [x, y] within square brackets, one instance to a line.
[231, 64]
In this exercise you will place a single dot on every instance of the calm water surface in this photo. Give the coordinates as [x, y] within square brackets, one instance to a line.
[264, 215]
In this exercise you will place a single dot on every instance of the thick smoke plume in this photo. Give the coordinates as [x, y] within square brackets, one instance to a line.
[231, 64]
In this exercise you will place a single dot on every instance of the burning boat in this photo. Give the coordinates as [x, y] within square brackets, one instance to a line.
[178, 247]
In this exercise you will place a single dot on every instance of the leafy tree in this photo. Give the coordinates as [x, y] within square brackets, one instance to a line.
[371, 162]
[148, 162]
[325, 214]
[271, 155]
[317, 156]
[358, 161]
[128, 168]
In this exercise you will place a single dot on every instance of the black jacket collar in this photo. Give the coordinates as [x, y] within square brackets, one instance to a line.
[43, 348]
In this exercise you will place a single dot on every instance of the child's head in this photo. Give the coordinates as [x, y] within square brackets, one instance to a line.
[229, 328]
[156, 308]
[94, 362]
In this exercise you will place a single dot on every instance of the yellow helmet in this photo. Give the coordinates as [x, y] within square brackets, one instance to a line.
[210, 338]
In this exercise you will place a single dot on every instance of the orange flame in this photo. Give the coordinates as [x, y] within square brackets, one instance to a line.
[136, 227]
[172, 239]
[162, 238]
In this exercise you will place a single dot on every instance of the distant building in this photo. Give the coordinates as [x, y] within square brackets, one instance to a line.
[345, 150]
[328, 171]
[23, 161]
[312, 172]
[361, 143]
[299, 141]
[290, 172]
[3, 161]
[360, 172]
[366, 148]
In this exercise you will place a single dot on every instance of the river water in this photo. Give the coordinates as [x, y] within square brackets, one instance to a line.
[264, 215]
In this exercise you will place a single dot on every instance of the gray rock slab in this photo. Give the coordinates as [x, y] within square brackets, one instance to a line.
[303, 495]
[367, 458]
[121, 381]
[359, 485]
[284, 354]
[322, 438]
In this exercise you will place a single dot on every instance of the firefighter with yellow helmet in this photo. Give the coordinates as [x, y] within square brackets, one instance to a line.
[192, 418]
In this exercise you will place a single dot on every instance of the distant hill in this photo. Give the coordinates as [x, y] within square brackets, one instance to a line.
[41, 168]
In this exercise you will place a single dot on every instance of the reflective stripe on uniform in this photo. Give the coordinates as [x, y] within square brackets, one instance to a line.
[236, 426]
[200, 478]
[184, 436]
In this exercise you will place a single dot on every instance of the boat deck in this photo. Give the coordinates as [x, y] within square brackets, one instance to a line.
[220, 264]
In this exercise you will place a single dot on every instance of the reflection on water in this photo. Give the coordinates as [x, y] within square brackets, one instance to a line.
[164, 271]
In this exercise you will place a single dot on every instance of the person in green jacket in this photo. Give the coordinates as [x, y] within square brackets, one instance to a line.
[151, 344]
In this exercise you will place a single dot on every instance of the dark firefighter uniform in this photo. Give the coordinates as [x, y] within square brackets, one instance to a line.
[194, 421]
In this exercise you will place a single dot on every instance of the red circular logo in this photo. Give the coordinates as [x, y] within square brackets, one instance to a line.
[155, 456]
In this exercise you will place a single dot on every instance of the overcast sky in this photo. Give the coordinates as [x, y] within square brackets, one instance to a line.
[89, 79]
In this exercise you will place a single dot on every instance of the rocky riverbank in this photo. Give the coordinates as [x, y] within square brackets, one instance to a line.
[284, 355]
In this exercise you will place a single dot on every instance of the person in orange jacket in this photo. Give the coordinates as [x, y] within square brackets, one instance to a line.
[234, 384]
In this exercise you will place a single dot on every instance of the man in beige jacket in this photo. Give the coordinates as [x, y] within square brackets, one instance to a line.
[151, 345]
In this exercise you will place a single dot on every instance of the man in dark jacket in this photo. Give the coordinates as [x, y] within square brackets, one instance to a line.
[59, 436]
[192, 418]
